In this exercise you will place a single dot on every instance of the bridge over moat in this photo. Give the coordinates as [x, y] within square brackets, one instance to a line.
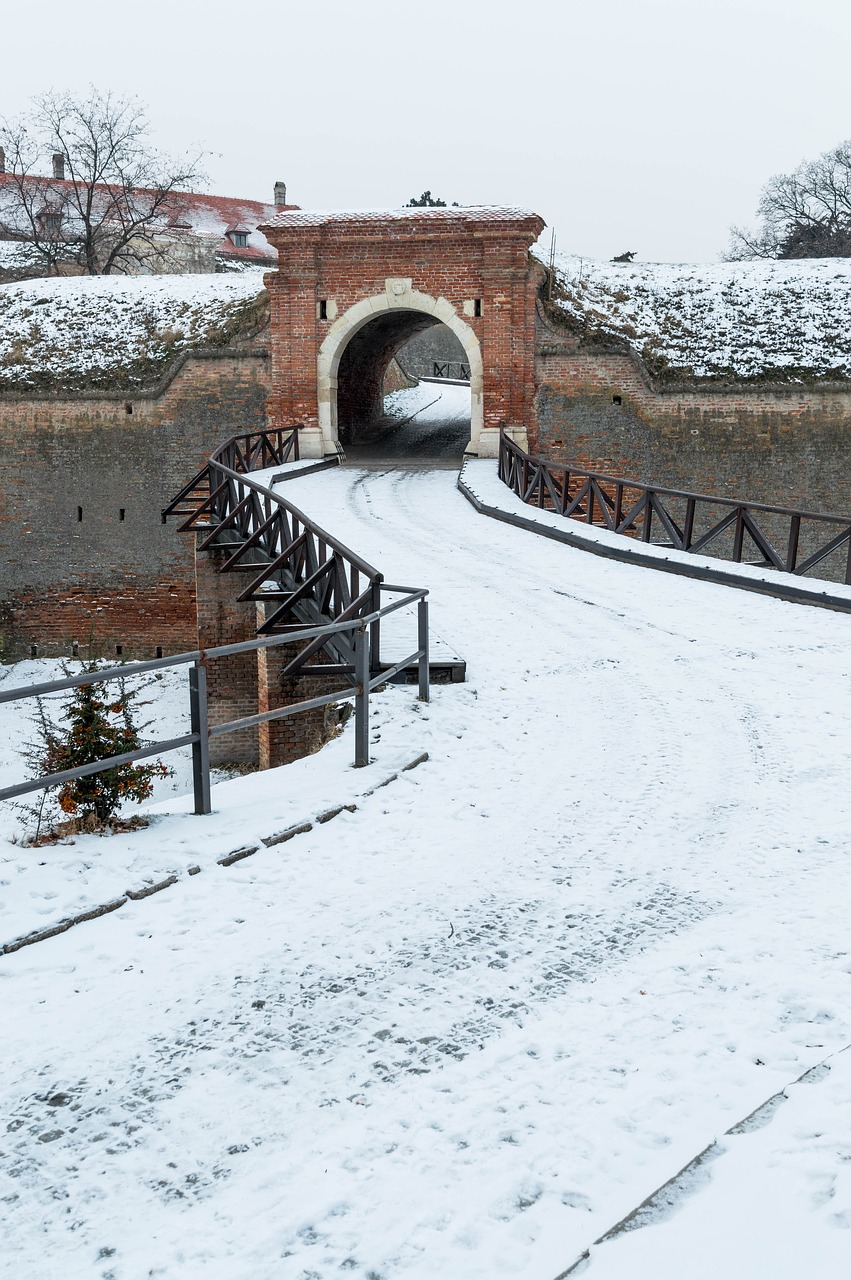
[353, 288]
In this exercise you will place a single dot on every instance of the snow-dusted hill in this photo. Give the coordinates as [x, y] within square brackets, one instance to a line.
[751, 320]
[755, 320]
[116, 331]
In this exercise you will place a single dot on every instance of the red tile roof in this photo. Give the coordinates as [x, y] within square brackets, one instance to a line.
[207, 215]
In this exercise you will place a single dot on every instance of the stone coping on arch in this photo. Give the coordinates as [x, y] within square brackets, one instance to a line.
[398, 296]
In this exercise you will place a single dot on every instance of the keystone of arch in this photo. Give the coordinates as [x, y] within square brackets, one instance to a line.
[344, 328]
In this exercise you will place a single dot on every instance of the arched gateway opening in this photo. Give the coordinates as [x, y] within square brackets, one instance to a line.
[362, 359]
[354, 287]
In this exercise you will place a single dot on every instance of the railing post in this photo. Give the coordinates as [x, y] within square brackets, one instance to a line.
[688, 524]
[792, 545]
[375, 631]
[739, 536]
[422, 645]
[361, 698]
[201, 748]
[618, 506]
[648, 515]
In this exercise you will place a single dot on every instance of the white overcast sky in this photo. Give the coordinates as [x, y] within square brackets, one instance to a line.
[627, 124]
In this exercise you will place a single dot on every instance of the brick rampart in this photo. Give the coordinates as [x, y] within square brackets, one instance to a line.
[787, 444]
[84, 555]
[245, 684]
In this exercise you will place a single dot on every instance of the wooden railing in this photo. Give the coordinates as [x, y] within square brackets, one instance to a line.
[758, 534]
[302, 574]
[249, 452]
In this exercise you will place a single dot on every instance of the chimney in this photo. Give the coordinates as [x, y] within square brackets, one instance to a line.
[58, 165]
[2, 160]
[280, 194]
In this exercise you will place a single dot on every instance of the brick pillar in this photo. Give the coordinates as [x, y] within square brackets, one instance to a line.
[246, 684]
[303, 734]
[236, 685]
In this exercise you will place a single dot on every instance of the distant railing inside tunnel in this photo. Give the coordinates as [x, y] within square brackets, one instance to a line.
[451, 370]
[758, 534]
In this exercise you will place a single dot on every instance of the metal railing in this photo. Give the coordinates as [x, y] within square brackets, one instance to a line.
[781, 538]
[300, 573]
[251, 451]
[322, 593]
[456, 369]
[201, 732]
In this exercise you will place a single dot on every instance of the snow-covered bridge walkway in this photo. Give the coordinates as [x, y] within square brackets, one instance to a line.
[461, 1031]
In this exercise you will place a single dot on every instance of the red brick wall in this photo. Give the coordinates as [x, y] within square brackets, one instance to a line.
[101, 580]
[456, 260]
[245, 684]
[789, 445]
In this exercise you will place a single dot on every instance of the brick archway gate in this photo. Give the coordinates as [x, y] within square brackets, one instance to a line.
[352, 287]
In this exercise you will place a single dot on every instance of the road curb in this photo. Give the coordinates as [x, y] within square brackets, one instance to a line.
[790, 592]
[227, 860]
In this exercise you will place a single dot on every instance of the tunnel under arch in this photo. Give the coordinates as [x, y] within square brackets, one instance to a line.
[361, 345]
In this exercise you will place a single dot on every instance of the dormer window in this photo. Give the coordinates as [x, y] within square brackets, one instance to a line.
[50, 222]
[238, 235]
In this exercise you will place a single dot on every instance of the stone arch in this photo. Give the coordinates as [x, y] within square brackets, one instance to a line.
[398, 297]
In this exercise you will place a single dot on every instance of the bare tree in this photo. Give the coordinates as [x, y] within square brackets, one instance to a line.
[110, 193]
[805, 214]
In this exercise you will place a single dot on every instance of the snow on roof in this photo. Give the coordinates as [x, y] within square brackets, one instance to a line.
[764, 319]
[90, 331]
[447, 213]
[204, 215]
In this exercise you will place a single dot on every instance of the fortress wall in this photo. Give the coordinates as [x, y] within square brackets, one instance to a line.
[789, 445]
[104, 581]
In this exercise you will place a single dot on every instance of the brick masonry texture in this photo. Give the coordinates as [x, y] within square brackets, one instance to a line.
[71, 568]
[787, 445]
[245, 684]
[445, 255]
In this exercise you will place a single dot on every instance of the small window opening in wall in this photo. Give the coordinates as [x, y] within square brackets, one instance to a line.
[617, 399]
[33, 650]
[323, 308]
[121, 514]
[119, 649]
[128, 408]
[79, 515]
[477, 306]
[75, 649]
[159, 651]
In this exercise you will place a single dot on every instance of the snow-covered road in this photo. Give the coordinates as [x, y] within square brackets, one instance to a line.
[463, 1030]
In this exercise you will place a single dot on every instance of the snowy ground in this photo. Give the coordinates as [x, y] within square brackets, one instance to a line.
[464, 1029]
[94, 330]
[428, 424]
[739, 319]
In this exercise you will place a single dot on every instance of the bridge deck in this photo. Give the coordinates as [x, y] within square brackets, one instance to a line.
[399, 630]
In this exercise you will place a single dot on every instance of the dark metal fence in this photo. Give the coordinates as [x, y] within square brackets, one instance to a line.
[301, 574]
[322, 596]
[359, 688]
[456, 369]
[754, 533]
